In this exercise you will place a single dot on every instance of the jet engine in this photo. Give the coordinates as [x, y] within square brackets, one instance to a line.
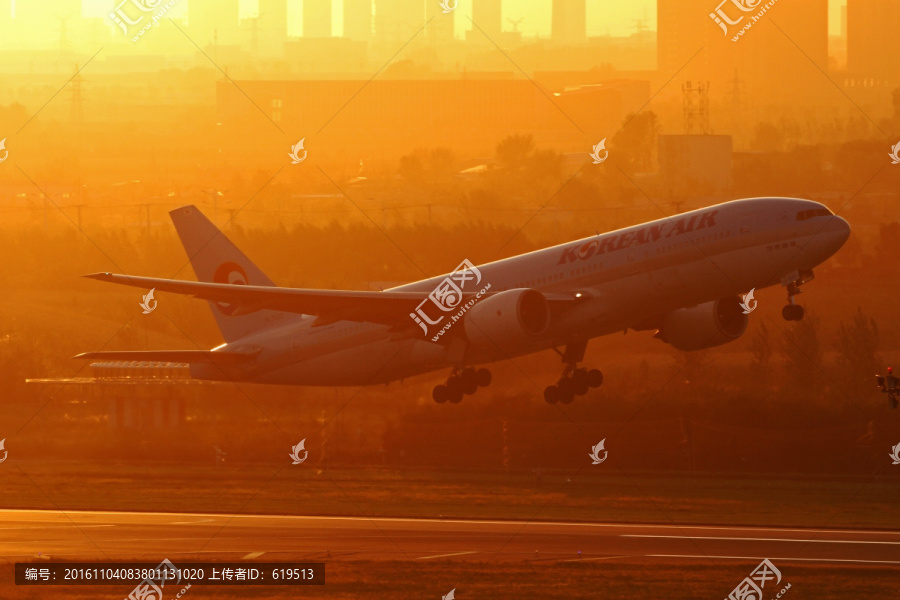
[704, 325]
[507, 319]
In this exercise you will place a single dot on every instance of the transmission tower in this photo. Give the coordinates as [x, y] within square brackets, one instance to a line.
[696, 108]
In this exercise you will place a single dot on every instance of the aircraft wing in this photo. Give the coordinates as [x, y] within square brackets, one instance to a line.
[388, 308]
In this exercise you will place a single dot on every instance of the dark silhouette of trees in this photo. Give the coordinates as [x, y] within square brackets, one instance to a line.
[857, 344]
[514, 150]
[634, 145]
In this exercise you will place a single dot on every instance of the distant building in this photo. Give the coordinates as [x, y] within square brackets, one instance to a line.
[569, 23]
[872, 38]
[487, 15]
[439, 24]
[695, 165]
[358, 20]
[773, 54]
[398, 20]
[316, 18]
[466, 115]
[272, 22]
[325, 54]
[214, 22]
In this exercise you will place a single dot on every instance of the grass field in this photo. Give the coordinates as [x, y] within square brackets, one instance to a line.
[587, 495]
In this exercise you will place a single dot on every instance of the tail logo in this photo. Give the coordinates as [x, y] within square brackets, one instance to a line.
[232, 274]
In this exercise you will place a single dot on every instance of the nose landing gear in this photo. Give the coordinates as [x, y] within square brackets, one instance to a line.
[461, 382]
[795, 312]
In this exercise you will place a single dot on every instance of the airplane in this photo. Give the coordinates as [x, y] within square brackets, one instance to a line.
[680, 276]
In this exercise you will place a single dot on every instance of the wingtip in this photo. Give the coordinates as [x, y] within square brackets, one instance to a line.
[101, 276]
[186, 209]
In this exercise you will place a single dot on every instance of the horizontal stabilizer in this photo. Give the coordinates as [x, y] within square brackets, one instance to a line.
[172, 356]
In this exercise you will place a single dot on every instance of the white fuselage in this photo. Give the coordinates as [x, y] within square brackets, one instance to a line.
[627, 277]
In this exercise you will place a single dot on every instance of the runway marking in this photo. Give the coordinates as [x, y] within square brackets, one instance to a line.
[191, 522]
[446, 555]
[746, 539]
[446, 521]
[794, 558]
[253, 555]
[596, 558]
[63, 525]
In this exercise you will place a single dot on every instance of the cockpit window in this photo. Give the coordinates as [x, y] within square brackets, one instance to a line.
[803, 215]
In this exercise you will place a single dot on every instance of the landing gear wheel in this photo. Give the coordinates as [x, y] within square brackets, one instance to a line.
[594, 378]
[551, 394]
[440, 393]
[792, 312]
[566, 390]
[579, 382]
[454, 389]
[469, 382]
[483, 377]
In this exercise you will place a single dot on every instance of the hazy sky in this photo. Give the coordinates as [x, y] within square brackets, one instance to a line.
[613, 17]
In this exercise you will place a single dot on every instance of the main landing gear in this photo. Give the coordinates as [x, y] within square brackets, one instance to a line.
[461, 382]
[574, 381]
[794, 312]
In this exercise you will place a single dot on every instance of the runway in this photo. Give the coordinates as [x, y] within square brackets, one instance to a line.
[89, 535]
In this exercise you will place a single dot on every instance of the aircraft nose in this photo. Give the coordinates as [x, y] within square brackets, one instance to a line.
[841, 229]
[837, 231]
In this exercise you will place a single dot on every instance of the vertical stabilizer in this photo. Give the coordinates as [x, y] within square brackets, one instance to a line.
[215, 259]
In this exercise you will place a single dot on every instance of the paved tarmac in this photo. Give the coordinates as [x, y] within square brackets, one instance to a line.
[90, 535]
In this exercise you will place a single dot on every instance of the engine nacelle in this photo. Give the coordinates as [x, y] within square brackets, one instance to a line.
[507, 320]
[704, 325]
